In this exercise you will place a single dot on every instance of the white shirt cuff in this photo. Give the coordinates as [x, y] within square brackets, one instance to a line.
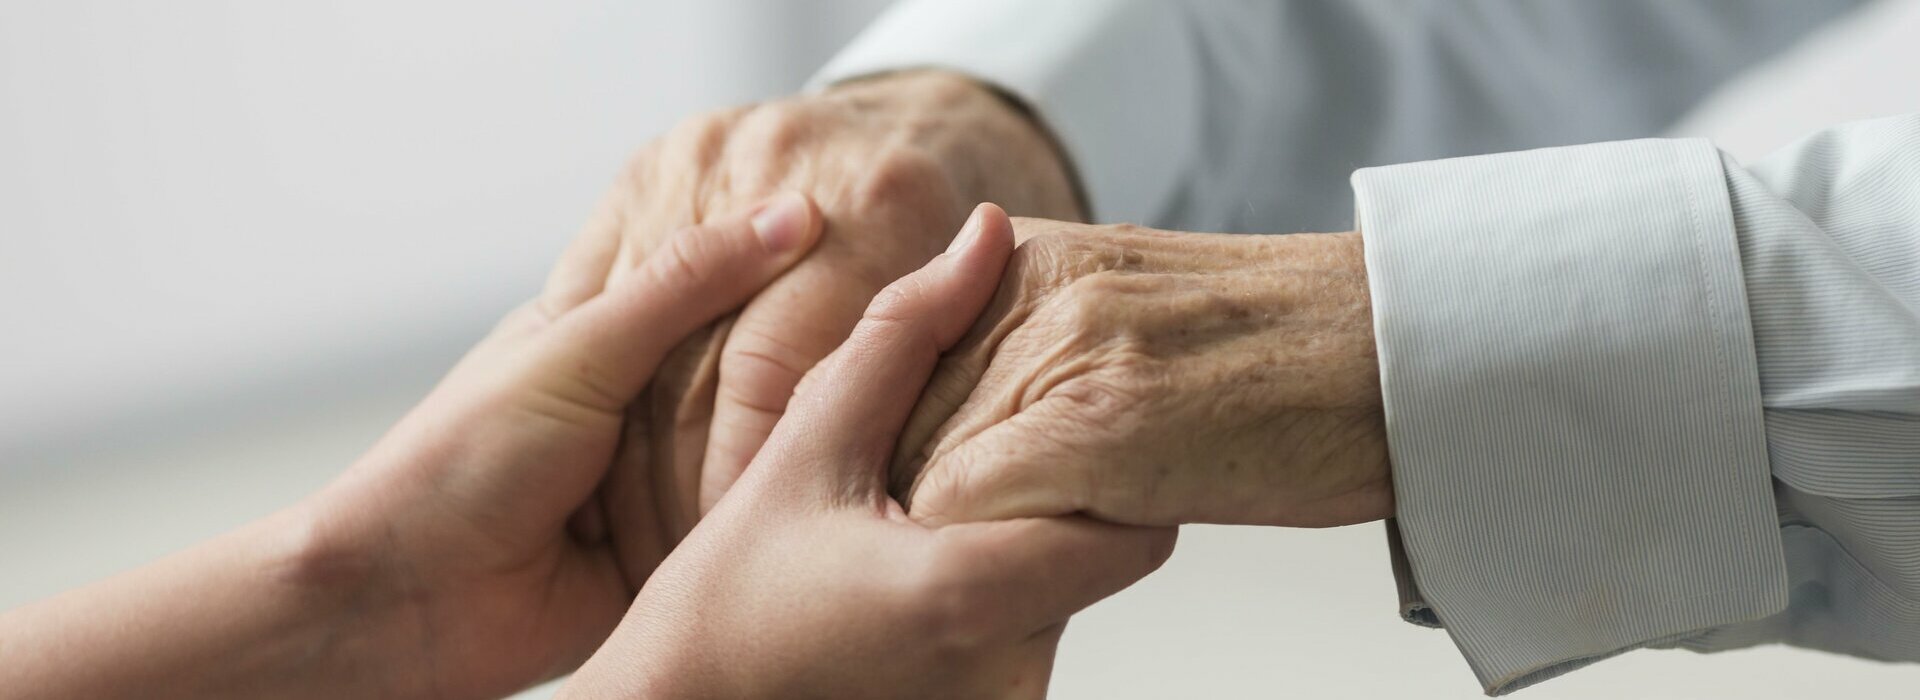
[1573, 404]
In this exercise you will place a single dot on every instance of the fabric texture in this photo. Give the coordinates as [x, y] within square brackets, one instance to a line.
[1580, 462]
[1572, 491]
[1638, 395]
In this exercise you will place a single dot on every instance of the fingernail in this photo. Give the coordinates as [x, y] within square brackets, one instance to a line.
[782, 221]
[968, 232]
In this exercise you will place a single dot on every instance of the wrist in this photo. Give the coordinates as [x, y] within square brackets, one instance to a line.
[242, 615]
[1320, 279]
[354, 612]
[1331, 415]
[360, 608]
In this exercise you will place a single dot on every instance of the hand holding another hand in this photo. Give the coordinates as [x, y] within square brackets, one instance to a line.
[893, 162]
[807, 580]
[459, 539]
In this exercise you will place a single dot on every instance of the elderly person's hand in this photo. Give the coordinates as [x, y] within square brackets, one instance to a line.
[808, 581]
[1152, 377]
[894, 163]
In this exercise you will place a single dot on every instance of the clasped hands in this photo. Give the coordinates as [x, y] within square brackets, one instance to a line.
[798, 438]
[1118, 374]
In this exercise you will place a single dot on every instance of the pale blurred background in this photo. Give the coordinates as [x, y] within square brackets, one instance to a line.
[238, 239]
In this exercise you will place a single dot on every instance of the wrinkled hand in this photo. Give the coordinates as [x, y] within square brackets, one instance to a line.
[1153, 377]
[809, 581]
[449, 541]
[893, 162]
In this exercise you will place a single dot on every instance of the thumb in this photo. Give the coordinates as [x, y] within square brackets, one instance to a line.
[840, 429]
[1036, 572]
[601, 353]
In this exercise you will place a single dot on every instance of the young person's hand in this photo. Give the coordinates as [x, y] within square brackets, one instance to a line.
[807, 580]
[894, 162]
[462, 556]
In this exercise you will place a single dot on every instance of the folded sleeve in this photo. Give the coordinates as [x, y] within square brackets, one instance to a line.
[1573, 403]
[1640, 396]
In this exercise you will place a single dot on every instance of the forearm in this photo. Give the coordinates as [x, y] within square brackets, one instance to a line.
[260, 611]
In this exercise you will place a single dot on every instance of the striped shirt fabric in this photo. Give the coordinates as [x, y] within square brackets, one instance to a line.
[1639, 395]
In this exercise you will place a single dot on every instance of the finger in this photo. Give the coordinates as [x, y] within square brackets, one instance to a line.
[602, 353]
[1028, 465]
[1040, 571]
[860, 395]
[587, 262]
[681, 399]
[950, 400]
[764, 360]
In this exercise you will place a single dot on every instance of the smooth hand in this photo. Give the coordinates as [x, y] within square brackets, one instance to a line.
[464, 556]
[466, 530]
[807, 580]
[1153, 377]
[894, 163]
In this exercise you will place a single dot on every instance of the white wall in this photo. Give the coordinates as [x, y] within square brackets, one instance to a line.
[223, 207]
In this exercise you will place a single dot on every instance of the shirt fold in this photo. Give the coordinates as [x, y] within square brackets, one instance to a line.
[1531, 309]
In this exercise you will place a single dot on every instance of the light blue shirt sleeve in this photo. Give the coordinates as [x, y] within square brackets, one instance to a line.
[1639, 395]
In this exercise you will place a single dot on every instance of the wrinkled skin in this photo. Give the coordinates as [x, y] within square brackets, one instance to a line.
[1152, 377]
[893, 162]
[808, 581]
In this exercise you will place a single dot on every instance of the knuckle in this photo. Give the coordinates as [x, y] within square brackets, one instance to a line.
[895, 321]
[1059, 233]
[775, 128]
[880, 336]
[698, 140]
[1084, 312]
[682, 263]
[1039, 250]
[1051, 254]
[948, 87]
[905, 176]
[1097, 400]
[1064, 250]
[897, 303]
[700, 128]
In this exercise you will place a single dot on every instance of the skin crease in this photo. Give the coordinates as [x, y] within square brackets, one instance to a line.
[494, 536]
[809, 581]
[893, 162]
[440, 564]
[1153, 377]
